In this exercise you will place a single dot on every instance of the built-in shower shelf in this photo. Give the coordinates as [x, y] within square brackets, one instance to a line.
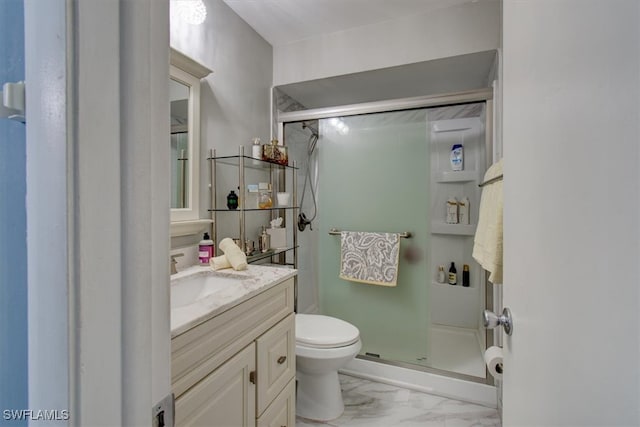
[453, 229]
[456, 176]
[456, 288]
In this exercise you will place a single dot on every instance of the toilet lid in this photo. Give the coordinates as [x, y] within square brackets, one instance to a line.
[319, 331]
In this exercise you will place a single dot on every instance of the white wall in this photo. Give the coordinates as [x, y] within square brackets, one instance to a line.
[235, 98]
[462, 29]
[572, 211]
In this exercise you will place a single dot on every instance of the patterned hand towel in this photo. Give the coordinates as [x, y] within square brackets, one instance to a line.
[369, 257]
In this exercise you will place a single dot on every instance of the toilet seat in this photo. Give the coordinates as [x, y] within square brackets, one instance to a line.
[318, 331]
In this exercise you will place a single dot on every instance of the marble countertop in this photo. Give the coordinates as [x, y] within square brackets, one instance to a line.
[253, 280]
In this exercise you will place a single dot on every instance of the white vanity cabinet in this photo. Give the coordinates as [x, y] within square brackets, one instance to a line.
[238, 367]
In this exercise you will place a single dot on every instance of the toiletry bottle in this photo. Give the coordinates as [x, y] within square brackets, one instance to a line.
[256, 149]
[457, 163]
[452, 211]
[441, 278]
[265, 240]
[232, 200]
[205, 249]
[453, 276]
[465, 275]
[463, 211]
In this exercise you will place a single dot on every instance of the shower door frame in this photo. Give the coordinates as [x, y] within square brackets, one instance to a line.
[440, 100]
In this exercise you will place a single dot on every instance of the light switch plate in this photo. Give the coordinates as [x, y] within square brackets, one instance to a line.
[163, 412]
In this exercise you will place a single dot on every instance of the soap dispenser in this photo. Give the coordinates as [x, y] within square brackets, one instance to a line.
[205, 249]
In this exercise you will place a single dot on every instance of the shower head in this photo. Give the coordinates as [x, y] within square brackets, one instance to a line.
[313, 126]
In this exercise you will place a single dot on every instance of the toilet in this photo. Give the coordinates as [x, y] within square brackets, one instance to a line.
[323, 345]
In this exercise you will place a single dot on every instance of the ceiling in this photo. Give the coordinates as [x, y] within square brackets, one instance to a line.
[285, 21]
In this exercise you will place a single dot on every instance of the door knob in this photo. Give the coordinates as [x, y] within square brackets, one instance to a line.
[491, 320]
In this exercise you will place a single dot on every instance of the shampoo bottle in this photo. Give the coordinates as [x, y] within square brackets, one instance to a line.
[465, 276]
[457, 163]
[452, 211]
[463, 211]
[205, 249]
[453, 276]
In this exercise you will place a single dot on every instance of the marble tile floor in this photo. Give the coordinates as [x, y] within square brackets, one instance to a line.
[372, 404]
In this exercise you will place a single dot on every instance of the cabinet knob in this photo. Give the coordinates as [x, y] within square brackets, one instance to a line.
[281, 359]
[252, 377]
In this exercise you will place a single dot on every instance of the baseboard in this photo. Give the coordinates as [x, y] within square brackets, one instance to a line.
[481, 394]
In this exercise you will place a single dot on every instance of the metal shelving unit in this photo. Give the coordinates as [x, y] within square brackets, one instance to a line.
[277, 176]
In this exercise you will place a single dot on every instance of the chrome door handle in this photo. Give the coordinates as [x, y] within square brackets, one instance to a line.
[491, 320]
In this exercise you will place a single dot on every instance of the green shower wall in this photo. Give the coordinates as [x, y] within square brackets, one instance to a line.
[375, 177]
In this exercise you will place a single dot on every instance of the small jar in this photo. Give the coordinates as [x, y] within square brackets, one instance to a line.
[232, 200]
[264, 200]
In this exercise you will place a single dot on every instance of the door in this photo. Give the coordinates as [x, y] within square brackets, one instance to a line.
[571, 215]
[225, 397]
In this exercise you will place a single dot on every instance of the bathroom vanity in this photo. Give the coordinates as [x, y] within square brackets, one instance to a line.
[233, 347]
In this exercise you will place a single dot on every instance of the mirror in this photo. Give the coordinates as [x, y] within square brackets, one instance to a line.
[184, 95]
[179, 98]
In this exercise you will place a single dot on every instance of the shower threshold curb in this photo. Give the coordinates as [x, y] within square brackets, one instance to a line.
[453, 388]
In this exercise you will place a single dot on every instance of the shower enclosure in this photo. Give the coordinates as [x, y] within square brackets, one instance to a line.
[389, 171]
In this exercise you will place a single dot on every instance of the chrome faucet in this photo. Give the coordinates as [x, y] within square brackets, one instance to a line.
[174, 262]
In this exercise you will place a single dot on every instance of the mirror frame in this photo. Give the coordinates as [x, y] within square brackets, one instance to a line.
[189, 72]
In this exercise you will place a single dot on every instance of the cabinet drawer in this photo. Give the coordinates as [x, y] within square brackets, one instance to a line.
[282, 412]
[225, 397]
[276, 360]
[202, 349]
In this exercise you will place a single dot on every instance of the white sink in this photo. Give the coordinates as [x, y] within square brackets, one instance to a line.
[190, 289]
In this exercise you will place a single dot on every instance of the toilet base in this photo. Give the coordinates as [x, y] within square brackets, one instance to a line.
[319, 396]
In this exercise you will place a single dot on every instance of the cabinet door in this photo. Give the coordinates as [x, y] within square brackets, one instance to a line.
[282, 412]
[276, 360]
[225, 397]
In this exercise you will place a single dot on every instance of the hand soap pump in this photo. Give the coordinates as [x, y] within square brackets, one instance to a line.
[205, 249]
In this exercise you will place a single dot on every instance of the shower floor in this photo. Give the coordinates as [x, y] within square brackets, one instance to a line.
[456, 350]
[451, 349]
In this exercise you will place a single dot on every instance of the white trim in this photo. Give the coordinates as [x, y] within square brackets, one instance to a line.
[48, 237]
[192, 212]
[188, 228]
[188, 64]
[386, 106]
[481, 394]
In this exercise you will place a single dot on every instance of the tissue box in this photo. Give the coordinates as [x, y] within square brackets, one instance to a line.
[278, 237]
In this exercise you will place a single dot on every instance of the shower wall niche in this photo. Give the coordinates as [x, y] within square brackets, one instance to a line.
[455, 311]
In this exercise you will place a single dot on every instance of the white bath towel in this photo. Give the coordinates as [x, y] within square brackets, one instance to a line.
[220, 262]
[369, 257]
[488, 245]
[234, 254]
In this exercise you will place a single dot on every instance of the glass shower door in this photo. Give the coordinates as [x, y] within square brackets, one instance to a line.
[374, 176]
[390, 172]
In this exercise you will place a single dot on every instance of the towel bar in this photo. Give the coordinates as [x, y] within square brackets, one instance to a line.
[491, 181]
[335, 232]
